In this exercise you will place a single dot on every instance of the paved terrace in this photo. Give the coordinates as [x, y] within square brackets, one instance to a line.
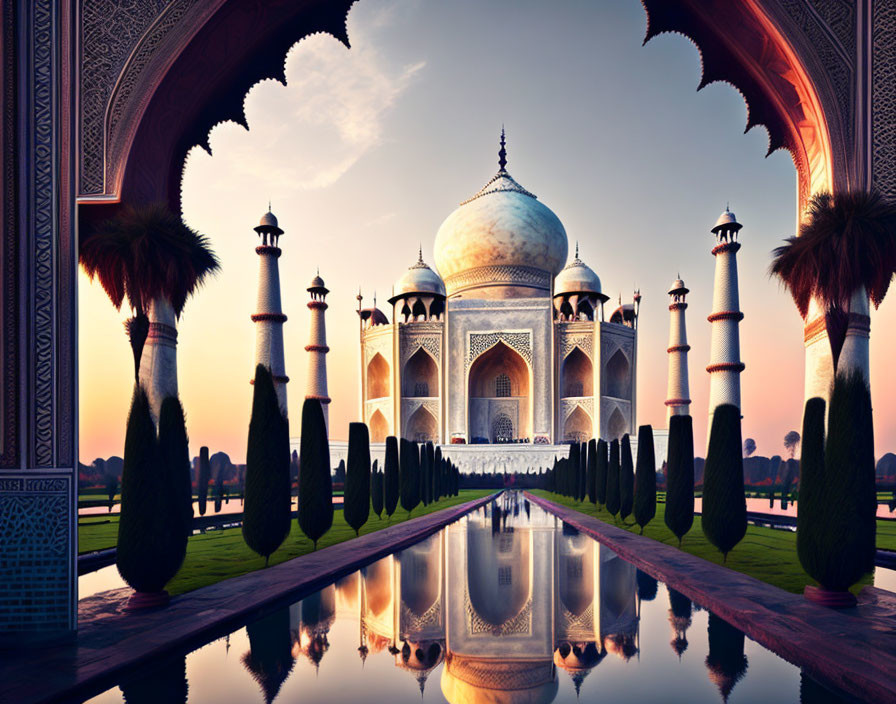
[110, 641]
[853, 650]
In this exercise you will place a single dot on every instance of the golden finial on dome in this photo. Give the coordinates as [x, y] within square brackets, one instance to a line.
[502, 152]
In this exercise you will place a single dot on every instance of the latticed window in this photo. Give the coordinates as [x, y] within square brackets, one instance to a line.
[575, 388]
[505, 543]
[505, 576]
[421, 388]
[503, 428]
[502, 386]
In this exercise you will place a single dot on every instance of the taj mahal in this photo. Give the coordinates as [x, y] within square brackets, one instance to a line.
[504, 342]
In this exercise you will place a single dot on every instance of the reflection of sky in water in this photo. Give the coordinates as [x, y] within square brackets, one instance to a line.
[310, 652]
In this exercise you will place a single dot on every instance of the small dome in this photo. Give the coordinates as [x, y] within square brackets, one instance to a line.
[316, 282]
[419, 279]
[375, 315]
[623, 314]
[678, 287]
[268, 224]
[577, 277]
[726, 221]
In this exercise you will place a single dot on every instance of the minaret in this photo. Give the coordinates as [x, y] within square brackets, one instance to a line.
[269, 317]
[724, 360]
[678, 399]
[317, 347]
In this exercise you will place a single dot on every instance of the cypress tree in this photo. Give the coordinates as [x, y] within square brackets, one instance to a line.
[626, 479]
[439, 475]
[174, 454]
[811, 513]
[645, 478]
[202, 479]
[845, 533]
[391, 476]
[425, 475]
[266, 508]
[613, 498]
[574, 466]
[315, 481]
[591, 479]
[724, 518]
[583, 464]
[679, 515]
[357, 477]
[152, 542]
[431, 471]
[410, 481]
[600, 476]
[376, 491]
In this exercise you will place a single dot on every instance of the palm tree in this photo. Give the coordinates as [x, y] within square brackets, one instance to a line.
[845, 254]
[150, 257]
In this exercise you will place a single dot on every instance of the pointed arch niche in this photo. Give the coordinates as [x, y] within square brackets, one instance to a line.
[420, 376]
[377, 377]
[379, 427]
[422, 426]
[618, 374]
[493, 374]
[618, 425]
[577, 374]
[578, 426]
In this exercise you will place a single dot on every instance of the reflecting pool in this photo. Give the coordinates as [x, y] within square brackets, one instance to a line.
[505, 605]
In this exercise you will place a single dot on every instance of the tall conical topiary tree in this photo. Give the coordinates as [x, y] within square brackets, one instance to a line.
[591, 475]
[376, 490]
[410, 478]
[438, 488]
[811, 512]
[266, 509]
[573, 467]
[174, 454]
[645, 478]
[724, 517]
[356, 506]
[844, 542]
[679, 514]
[626, 479]
[152, 541]
[315, 481]
[613, 498]
[600, 477]
[202, 479]
[424, 474]
[391, 484]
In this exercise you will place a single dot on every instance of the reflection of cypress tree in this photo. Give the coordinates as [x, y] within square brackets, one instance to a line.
[680, 610]
[679, 514]
[626, 479]
[724, 517]
[601, 473]
[269, 659]
[163, 682]
[613, 498]
[356, 506]
[315, 482]
[390, 476]
[811, 692]
[645, 478]
[591, 474]
[726, 661]
[647, 586]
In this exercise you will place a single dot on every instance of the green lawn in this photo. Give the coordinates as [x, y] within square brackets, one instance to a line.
[764, 553]
[221, 554]
[97, 533]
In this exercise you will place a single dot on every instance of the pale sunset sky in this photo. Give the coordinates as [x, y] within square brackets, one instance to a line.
[366, 151]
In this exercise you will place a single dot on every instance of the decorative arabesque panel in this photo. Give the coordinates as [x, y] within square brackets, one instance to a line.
[520, 342]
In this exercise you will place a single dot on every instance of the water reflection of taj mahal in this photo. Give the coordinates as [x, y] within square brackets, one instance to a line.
[502, 604]
[507, 343]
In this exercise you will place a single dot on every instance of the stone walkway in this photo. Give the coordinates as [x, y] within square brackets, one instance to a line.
[109, 641]
[853, 650]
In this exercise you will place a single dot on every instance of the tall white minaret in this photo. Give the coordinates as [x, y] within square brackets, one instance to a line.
[317, 347]
[269, 317]
[724, 360]
[678, 399]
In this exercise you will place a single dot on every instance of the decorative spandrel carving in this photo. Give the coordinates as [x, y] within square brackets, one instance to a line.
[520, 342]
[883, 98]
[110, 29]
[521, 624]
[584, 342]
[568, 405]
[410, 343]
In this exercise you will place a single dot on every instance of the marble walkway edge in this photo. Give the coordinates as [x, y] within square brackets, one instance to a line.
[853, 650]
[110, 642]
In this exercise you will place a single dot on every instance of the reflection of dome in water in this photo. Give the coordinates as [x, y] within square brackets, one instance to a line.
[501, 236]
[492, 681]
[578, 659]
[420, 658]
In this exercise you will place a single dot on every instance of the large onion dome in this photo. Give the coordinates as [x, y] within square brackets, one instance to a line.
[503, 236]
